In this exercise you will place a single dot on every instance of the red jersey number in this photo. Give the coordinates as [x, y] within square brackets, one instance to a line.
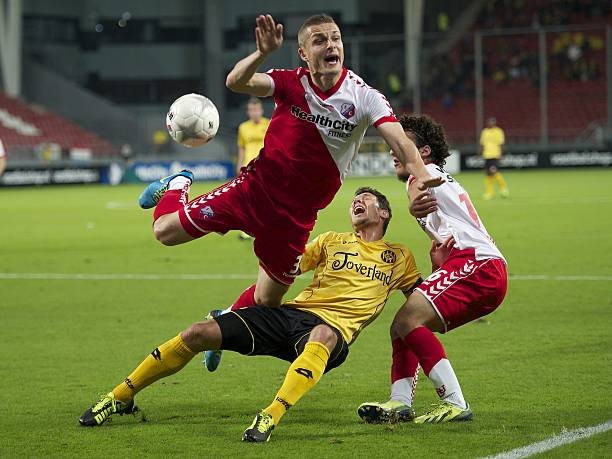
[465, 199]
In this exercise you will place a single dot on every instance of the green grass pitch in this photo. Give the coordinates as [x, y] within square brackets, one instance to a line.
[540, 365]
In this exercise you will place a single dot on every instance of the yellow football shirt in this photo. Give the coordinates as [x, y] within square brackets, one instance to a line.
[353, 279]
[491, 140]
[251, 138]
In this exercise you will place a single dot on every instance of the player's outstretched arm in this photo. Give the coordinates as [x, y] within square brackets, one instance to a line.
[407, 153]
[244, 78]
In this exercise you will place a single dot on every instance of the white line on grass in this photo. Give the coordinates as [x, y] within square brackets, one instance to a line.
[223, 277]
[554, 442]
[536, 277]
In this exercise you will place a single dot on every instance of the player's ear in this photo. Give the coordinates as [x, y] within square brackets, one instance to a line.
[384, 213]
[302, 54]
[425, 151]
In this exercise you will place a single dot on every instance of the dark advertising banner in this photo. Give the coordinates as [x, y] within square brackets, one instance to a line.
[542, 160]
[202, 170]
[112, 173]
[54, 175]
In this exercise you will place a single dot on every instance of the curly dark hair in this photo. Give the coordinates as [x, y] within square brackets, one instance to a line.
[427, 132]
[383, 202]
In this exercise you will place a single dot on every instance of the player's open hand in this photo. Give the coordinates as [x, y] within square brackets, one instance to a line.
[423, 204]
[268, 34]
[429, 182]
[439, 252]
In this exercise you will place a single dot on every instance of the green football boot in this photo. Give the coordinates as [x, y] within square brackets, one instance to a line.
[445, 412]
[391, 411]
[260, 430]
[99, 412]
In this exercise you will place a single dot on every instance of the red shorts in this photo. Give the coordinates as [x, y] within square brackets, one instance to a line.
[244, 204]
[464, 289]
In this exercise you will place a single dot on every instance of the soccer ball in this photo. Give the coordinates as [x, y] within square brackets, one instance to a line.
[192, 120]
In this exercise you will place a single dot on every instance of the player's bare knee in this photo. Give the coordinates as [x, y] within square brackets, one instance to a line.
[164, 232]
[201, 335]
[406, 320]
[160, 230]
[325, 335]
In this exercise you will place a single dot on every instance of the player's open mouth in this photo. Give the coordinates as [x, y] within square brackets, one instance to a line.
[358, 209]
[332, 59]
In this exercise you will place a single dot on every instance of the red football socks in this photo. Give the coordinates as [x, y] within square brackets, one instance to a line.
[168, 204]
[245, 300]
[405, 361]
[426, 346]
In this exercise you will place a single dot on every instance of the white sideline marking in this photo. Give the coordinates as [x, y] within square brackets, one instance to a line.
[223, 277]
[560, 278]
[555, 441]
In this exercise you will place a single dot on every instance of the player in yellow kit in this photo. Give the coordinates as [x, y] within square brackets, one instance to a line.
[354, 274]
[251, 135]
[492, 138]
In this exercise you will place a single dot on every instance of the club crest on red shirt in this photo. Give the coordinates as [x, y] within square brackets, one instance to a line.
[347, 110]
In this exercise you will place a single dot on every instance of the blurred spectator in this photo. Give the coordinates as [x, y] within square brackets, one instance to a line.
[160, 141]
[443, 22]
[394, 88]
[49, 151]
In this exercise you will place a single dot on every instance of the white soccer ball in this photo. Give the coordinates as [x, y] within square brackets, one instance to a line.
[192, 120]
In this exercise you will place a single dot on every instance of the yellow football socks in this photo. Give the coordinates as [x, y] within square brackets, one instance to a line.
[489, 186]
[165, 360]
[501, 183]
[303, 374]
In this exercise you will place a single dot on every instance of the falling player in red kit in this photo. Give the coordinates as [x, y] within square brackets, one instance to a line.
[468, 281]
[320, 119]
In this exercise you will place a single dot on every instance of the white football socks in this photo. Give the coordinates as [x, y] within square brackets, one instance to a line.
[402, 390]
[447, 386]
[178, 182]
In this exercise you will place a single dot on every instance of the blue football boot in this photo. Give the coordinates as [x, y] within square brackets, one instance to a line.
[213, 358]
[154, 192]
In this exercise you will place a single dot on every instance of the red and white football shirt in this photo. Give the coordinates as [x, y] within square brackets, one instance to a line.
[314, 135]
[472, 282]
[457, 217]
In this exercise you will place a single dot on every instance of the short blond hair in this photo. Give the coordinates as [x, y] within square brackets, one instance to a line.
[313, 20]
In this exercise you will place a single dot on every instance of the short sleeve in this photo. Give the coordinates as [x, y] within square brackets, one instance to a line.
[313, 253]
[411, 277]
[2, 152]
[280, 81]
[379, 108]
